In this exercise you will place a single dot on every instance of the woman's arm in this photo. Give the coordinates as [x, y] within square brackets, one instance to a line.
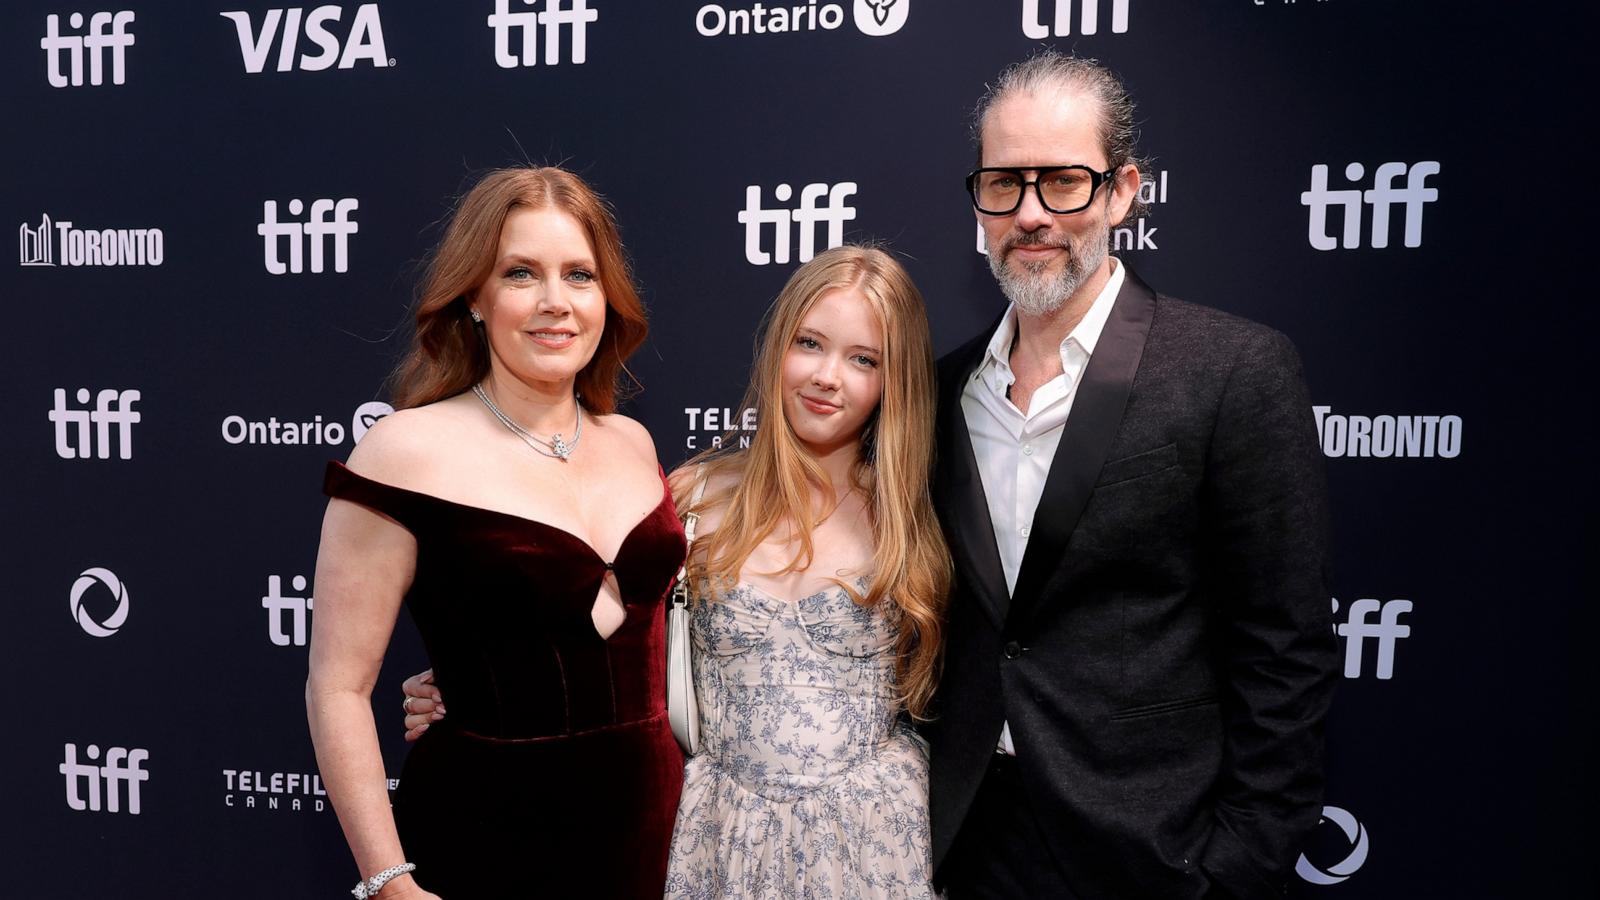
[365, 564]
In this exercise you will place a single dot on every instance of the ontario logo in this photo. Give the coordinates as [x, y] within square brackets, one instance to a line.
[273, 430]
[874, 18]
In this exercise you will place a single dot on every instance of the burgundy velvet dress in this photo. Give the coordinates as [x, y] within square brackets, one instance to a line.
[555, 773]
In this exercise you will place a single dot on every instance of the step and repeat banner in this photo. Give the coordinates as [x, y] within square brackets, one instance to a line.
[221, 209]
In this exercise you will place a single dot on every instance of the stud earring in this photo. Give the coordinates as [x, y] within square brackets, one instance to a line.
[477, 319]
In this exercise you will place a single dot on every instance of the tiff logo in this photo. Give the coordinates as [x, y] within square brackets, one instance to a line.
[123, 766]
[806, 218]
[315, 230]
[92, 45]
[1387, 630]
[1088, 18]
[1381, 196]
[364, 41]
[290, 611]
[577, 19]
[111, 407]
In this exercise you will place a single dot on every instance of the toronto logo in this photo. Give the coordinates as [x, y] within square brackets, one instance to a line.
[61, 243]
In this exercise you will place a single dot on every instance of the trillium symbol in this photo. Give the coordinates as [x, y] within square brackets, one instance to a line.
[880, 9]
[367, 415]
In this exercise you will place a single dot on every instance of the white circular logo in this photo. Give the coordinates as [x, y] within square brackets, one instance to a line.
[366, 415]
[89, 579]
[881, 17]
[1352, 861]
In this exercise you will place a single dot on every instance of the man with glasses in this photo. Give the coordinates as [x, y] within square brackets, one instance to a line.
[1140, 652]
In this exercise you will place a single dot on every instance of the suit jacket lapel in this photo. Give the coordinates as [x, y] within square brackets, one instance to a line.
[959, 495]
[1090, 429]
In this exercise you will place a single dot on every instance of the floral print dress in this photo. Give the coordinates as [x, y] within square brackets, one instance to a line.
[808, 784]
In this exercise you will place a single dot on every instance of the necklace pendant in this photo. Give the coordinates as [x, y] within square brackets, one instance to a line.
[560, 448]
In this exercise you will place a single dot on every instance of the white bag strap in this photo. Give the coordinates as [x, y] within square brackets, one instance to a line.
[680, 590]
[690, 520]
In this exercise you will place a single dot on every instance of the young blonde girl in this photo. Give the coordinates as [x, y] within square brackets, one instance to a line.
[819, 583]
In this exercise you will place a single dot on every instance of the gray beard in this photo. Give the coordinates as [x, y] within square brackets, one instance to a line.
[1035, 293]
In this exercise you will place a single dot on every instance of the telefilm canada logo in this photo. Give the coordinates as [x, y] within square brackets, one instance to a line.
[53, 243]
[1387, 436]
[1355, 850]
[329, 433]
[106, 35]
[282, 791]
[286, 791]
[97, 615]
[93, 787]
[874, 18]
[1377, 201]
[821, 206]
[1061, 24]
[714, 427]
[310, 41]
[529, 25]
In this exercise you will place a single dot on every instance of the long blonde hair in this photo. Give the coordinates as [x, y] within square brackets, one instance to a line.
[448, 355]
[776, 475]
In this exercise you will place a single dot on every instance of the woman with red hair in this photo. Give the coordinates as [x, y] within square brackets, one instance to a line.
[529, 531]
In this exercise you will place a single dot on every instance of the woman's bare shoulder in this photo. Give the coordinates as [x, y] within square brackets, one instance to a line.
[629, 432]
[402, 447]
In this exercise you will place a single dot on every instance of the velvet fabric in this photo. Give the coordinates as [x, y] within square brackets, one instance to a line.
[555, 772]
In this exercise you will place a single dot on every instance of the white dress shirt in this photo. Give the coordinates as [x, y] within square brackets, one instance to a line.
[1014, 448]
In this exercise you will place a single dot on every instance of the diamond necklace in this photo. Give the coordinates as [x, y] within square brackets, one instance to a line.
[555, 447]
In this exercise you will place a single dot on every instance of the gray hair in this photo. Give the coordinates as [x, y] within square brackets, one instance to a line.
[1052, 69]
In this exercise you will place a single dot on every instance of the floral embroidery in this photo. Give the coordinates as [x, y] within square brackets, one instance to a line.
[809, 785]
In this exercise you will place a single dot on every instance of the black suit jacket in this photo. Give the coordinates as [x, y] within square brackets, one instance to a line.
[1167, 658]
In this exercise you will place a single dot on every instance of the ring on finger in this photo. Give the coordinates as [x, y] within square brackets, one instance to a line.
[406, 704]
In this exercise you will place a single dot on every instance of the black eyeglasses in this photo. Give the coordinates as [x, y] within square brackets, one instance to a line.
[1061, 189]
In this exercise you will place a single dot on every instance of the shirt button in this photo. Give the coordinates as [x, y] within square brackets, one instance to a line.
[1013, 650]
[1027, 449]
[1023, 531]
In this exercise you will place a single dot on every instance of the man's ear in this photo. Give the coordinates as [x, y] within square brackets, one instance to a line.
[1124, 188]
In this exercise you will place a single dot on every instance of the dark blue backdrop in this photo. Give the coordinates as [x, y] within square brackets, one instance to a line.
[152, 662]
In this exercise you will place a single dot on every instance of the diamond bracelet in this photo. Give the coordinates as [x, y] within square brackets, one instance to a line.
[371, 887]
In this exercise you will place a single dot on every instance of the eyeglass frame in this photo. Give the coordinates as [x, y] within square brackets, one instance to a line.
[1095, 180]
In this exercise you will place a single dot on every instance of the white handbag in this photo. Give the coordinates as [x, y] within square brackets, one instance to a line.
[683, 709]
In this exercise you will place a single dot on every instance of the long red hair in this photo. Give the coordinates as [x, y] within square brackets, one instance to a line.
[448, 355]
